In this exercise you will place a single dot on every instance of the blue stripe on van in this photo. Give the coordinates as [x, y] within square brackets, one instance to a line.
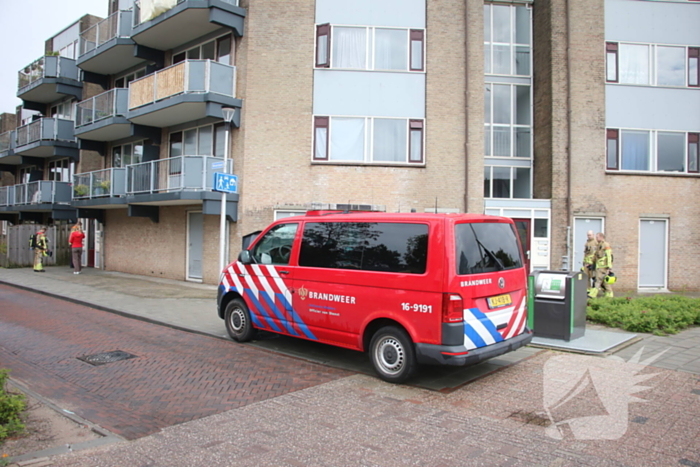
[261, 310]
[474, 335]
[283, 319]
[297, 319]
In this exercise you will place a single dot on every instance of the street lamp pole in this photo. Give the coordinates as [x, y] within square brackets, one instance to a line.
[228, 117]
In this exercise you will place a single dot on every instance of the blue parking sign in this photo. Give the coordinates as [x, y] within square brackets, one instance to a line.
[225, 183]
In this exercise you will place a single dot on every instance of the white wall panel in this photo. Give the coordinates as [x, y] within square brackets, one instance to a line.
[652, 22]
[652, 108]
[398, 13]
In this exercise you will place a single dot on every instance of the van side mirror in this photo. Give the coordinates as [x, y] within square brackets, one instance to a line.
[245, 257]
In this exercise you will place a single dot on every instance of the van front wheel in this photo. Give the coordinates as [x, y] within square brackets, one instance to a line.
[238, 323]
[392, 355]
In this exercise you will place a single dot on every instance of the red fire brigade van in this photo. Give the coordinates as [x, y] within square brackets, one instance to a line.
[408, 288]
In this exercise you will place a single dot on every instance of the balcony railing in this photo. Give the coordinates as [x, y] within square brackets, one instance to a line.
[108, 104]
[41, 192]
[191, 173]
[7, 193]
[52, 129]
[146, 10]
[118, 24]
[50, 66]
[190, 76]
[100, 183]
[6, 141]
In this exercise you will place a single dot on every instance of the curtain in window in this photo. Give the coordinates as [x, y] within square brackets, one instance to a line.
[634, 64]
[321, 143]
[349, 50]
[390, 49]
[347, 139]
[389, 140]
[635, 150]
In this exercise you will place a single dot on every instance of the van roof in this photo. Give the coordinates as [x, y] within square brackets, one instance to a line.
[394, 216]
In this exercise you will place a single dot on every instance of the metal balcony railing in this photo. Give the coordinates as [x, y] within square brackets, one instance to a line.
[183, 173]
[108, 104]
[5, 141]
[50, 66]
[146, 10]
[189, 76]
[118, 24]
[41, 192]
[7, 193]
[100, 183]
[51, 129]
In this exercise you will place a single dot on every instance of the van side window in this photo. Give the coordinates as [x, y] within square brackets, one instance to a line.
[368, 246]
[276, 246]
[486, 247]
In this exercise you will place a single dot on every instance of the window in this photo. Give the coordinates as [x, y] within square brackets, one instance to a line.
[652, 64]
[367, 246]
[612, 157]
[507, 182]
[127, 154]
[693, 68]
[25, 173]
[208, 140]
[369, 48]
[61, 170]
[507, 40]
[541, 228]
[693, 162]
[508, 120]
[63, 110]
[652, 151]
[220, 50]
[486, 247]
[368, 140]
[276, 246]
[611, 62]
[123, 82]
[323, 41]
[417, 49]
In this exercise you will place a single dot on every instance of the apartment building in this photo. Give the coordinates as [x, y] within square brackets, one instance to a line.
[563, 115]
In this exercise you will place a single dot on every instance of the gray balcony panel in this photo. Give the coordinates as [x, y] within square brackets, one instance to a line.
[109, 129]
[47, 137]
[48, 79]
[111, 57]
[103, 117]
[187, 21]
[181, 109]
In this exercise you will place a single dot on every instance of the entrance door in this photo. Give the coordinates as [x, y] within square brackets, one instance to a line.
[523, 227]
[195, 239]
[652, 253]
[581, 227]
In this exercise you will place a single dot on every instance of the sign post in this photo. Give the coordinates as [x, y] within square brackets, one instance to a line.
[227, 113]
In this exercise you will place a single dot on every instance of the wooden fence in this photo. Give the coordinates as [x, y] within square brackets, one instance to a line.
[16, 251]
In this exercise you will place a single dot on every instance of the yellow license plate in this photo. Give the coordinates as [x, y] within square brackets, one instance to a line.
[499, 300]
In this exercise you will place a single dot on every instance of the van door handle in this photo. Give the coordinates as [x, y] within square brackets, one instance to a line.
[284, 272]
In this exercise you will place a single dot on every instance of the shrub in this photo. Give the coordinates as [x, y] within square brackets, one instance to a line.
[658, 314]
[11, 406]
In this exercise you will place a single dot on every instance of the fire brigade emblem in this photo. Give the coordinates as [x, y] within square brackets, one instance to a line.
[303, 292]
[501, 283]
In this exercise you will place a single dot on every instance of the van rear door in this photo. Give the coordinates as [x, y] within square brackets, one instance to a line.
[491, 279]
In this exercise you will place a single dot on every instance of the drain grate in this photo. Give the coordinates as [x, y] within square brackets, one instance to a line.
[106, 357]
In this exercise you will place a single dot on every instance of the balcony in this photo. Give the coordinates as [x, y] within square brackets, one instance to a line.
[32, 199]
[47, 137]
[107, 48]
[48, 79]
[100, 189]
[173, 23]
[187, 91]
[103, 117]
[7, 149]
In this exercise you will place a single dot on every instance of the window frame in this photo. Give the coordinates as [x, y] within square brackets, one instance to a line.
[417, 35]
[321, 31]
[325, 122]
[612, 135]
[693, 139]
[693, 54]
[612, 48]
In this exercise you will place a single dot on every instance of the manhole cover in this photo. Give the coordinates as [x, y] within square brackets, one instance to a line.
[106, 357]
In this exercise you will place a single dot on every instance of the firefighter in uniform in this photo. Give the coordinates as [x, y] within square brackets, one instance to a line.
[40, 250]
[604, 263]
[589, 259]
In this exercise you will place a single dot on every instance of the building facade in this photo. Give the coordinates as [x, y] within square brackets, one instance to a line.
[561, 114]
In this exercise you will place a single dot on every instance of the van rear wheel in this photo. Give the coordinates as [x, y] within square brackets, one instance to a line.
[392, 355]
[238, 323]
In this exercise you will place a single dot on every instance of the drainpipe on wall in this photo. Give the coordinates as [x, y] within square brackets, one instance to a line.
[567, 259]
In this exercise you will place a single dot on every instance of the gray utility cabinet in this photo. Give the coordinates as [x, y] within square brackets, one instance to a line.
[559, 301]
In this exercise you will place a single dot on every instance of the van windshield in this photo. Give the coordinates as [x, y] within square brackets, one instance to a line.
[486, 247]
